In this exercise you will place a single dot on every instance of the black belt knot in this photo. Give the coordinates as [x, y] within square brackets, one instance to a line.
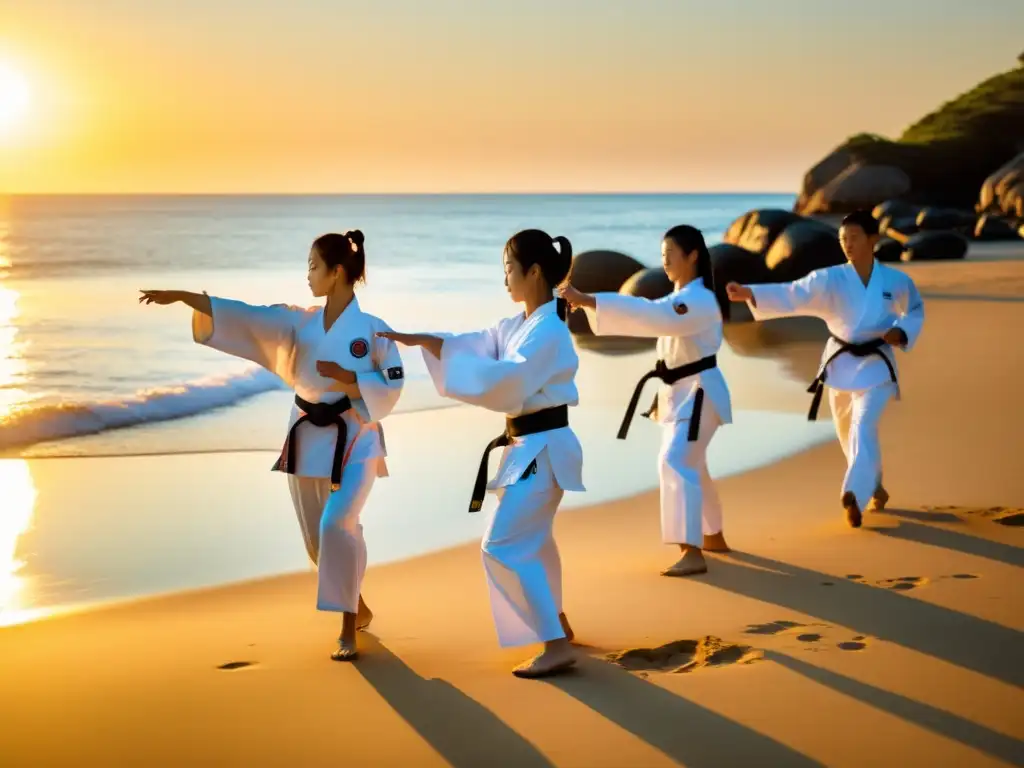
[859, 349]
[319, 415]
[517, 426]
[670, 376]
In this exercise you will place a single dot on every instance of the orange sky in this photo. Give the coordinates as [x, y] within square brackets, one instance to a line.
[473, 95]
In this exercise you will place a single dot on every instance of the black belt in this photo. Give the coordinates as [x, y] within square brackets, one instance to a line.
[319, 415]
[671, 376]
[517, 426]
[863, 349]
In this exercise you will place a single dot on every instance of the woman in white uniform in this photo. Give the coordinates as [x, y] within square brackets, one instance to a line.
[870, 310]
[693, 400]
[523, 367]
[346, 378]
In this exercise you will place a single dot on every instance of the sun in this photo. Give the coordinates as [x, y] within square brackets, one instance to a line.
[15, 96]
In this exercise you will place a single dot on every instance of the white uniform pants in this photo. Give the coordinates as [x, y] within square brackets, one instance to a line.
[333, 534]
[521, 561]
[690, 507]
[857, 416]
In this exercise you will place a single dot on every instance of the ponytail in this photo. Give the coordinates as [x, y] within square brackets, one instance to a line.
[553, 255]
[565, 251]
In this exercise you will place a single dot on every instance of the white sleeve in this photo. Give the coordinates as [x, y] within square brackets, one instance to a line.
[675, 315]
[464, 374]
[806, 296]
[912, 319]
[380, 389]
[263, 334]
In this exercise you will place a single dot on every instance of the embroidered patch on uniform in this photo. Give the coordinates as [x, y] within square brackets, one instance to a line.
[359, 348]
[886, 295]
[395, 373]
[681, 308]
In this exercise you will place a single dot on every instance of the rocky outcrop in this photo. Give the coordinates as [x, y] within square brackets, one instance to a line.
[733, 264]
[1002, 193]
[598, 271]
[756, 230]
[941, 160]
[650, 283]
[801, 248]
[859, 185]
[935, 246]
[888, 250]
[990, 227]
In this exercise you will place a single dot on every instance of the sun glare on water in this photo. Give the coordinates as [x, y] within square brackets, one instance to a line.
[15, 98]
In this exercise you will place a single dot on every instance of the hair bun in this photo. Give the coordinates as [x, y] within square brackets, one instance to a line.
[356, 236]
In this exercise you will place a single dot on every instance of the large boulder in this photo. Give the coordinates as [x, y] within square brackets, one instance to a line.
[888, 250]
[733, 264]
[756, 230]
[898, 229]
[939, 219]
[802, 248]
[990, 227]
[1003, 191]
[650, 283]
[897, 209]
[861, 185]
[935, 246]
[597, 272]
[820, 175]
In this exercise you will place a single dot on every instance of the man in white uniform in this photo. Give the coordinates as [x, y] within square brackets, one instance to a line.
[869, 309]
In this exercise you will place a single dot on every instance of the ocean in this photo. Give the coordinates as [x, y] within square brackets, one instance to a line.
[86, 372]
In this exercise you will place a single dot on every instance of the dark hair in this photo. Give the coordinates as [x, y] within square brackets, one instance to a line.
[690, 239]
[344, 251]
[862, 219]
[534, 246]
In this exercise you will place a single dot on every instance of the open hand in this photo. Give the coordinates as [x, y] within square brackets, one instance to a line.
[158, 297]
[737, 292]
[330, 370]
[574, 298]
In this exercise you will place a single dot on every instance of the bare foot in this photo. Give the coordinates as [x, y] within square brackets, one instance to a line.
[346, 651]
[715, 542]
[879, 500]
[557, 656]
[690, 564]
[569, 634]
[852, 510]
[347, 642]
[364, 615]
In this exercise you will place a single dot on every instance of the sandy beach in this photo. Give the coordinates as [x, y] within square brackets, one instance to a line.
[898, 644]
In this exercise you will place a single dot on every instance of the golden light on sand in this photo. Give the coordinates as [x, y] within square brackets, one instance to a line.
[19, 497]
[15, 98]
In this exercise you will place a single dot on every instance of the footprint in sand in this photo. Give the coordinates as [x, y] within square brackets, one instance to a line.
[963, 576]
[772, 627]
[1013, 516]
[682, 656]
[809, 637]
[904, 583]
[852, 645]
[237, 664]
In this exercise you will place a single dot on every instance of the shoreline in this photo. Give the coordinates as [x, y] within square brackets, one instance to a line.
[95, 481]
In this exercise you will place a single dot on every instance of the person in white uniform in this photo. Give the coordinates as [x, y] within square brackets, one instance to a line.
[870, 310]
[346, 378]
[524, 367]
[693, 400]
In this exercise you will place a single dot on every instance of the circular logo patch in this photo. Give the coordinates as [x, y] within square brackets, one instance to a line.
[359, 348]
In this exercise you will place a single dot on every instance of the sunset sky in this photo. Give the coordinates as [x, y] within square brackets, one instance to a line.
[473, 95]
